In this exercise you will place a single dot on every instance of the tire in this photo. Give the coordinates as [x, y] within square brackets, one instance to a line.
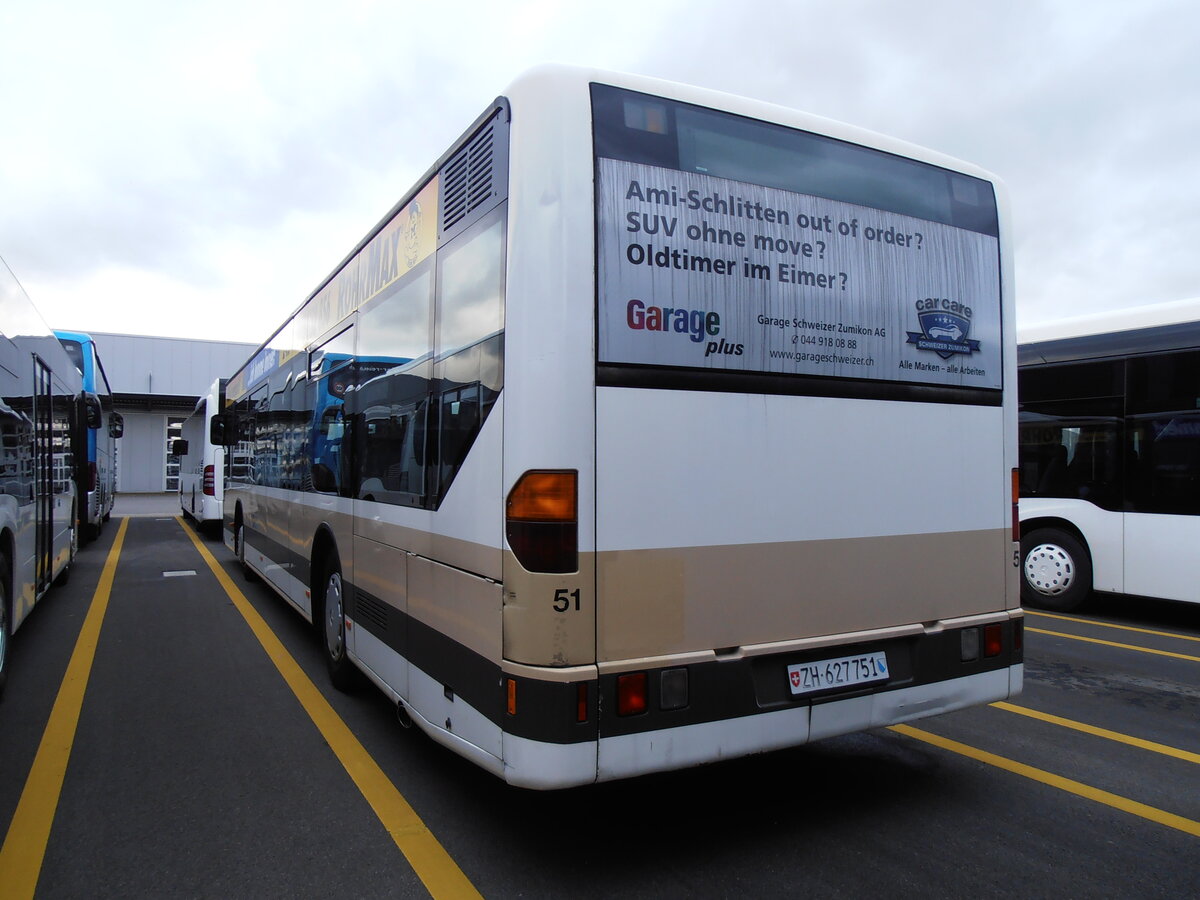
[65, 575]
[239, 543]
[5, 622]
[331, 626]
[1056, 571]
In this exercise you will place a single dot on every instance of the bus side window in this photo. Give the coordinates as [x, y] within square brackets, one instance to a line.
[325, 436]
[391, 412]
[1164, 407]
[326, 449]
[460, 421]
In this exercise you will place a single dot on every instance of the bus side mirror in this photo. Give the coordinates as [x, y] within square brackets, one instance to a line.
[91, 410]
[116, 425]
[216, 431]
[179, 448]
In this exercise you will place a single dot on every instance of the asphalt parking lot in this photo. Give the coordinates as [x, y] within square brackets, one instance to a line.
[169, 730]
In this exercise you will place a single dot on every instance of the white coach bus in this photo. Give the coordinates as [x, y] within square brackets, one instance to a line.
[652, 427]
[45, 415]
[201, 461]
[1110, 456]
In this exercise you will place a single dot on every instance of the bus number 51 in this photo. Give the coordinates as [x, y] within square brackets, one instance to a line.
[563, 598]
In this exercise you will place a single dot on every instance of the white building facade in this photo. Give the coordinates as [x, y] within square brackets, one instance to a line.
[156, 382]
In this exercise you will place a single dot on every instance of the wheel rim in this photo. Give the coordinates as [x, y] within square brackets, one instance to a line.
[335, 628]
[1049, 570]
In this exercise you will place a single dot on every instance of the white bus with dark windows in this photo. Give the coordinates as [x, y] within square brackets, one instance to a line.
[202, 461]
[652, 427]
[1110, 456]
[45, 414]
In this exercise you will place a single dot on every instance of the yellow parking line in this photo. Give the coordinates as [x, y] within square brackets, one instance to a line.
[1161, 817]
[1091, 640]
[1166, 634]
[1141, 744]
[434, 866]
[28, 833]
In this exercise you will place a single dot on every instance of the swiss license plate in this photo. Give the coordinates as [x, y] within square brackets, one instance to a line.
[845, 671]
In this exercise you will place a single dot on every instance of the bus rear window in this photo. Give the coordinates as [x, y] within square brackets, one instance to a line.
[637, 128]
[740, 255]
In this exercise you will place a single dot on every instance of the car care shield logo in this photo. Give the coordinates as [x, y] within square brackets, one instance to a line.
[945, 325]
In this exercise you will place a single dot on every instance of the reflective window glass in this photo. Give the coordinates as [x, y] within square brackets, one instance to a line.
[470, 288]
[396, 328]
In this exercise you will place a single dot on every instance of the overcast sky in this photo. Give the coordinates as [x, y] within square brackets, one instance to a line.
[195, 169]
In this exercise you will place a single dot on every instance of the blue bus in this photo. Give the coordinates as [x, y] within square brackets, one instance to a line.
[96, 457]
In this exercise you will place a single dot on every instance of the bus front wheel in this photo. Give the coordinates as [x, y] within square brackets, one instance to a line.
[333, 627]
[1056, 572]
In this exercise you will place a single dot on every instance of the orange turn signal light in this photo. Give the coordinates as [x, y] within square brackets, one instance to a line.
[540, 496]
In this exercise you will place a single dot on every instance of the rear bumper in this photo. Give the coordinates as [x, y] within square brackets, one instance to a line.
[534, 764]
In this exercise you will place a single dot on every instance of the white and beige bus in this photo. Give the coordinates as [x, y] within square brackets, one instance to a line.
[652, 427]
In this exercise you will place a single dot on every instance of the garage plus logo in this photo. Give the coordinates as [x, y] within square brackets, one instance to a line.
[696, 324]
[945, 325]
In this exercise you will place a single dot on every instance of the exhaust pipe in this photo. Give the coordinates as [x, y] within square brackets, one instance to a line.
[403, 716]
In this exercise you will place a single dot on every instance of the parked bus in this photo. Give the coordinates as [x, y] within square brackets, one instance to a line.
[96, 457]
[41, 404]
[201, 461]
[705, 443]
[1110, 456]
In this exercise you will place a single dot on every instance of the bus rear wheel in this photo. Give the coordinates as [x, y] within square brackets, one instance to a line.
[1056, 572]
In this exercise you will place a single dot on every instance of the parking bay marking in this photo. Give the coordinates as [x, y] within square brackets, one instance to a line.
[433, 865]
[24, 848]
[1091, 640]
[1185, 755]
[1078, 788]
[1098, 624]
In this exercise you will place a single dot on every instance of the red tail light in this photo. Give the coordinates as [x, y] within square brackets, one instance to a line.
[993, 640]
[631, 694]
[210, 481]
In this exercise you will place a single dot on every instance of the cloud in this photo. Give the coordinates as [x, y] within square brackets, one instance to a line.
[233, 152]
